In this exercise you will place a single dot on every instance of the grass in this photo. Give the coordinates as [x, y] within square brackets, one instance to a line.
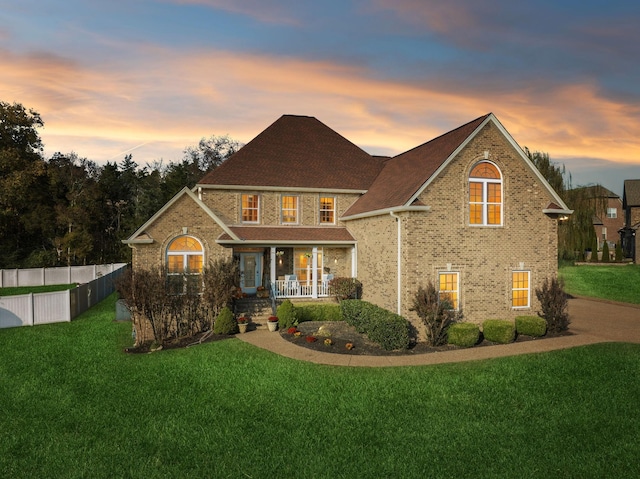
[73, 405]
[14, 291]
[617, 283]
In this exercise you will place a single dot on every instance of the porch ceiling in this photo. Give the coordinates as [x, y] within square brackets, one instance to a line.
[288, 235]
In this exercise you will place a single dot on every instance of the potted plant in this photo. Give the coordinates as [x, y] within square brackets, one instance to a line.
[243, 323]
[272, 323]
[262, 292]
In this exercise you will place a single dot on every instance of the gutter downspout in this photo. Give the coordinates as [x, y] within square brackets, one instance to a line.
[393, 215]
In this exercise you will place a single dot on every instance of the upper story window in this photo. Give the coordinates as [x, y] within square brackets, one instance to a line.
[290, 210]
[185, 258]
[612, 212]
[327, 210]
[250, 208]
[485, 195]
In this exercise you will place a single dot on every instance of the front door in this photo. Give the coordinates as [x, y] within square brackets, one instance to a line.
[250, 274]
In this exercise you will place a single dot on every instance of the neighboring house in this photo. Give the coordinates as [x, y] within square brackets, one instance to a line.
[631, 206]
[607, 226]
[300, 204]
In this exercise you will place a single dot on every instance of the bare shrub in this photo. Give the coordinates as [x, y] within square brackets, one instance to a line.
[554, 303]
[220, 280]
[436, 315]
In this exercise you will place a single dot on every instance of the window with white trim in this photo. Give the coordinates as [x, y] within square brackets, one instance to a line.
[185, 259]
[250, 208]
[449, 288]
[612, 212]
[485, 195]
[327, 210]
[520, 289]
[289, 211]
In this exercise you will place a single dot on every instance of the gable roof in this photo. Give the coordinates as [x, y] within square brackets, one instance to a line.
[142, 237]
[597, 191]
[403, 175]
[631, 194]
[298, 152]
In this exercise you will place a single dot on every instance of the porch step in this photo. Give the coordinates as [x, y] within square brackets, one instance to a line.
[258, 309]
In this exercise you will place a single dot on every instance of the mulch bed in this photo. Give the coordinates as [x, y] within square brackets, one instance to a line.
[201, 338]
[342, 333]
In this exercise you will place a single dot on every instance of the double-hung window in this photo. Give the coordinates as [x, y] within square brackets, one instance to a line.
[185, 258]
[485, 195]
[250, 208]
[449, 287]
[290, 210]
[612, 212]
[327, 210]
[520, 289]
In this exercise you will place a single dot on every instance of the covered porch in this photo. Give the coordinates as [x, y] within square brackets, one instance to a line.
[285, 262]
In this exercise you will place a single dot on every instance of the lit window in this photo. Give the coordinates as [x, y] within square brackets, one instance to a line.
[185, 258]
[449, 288]
[612, 212]
[327, 210]
[520, 290]
[250, 208]
[290, 209]
[485, 195]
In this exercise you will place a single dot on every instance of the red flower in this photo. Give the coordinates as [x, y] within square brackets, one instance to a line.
[273, 319]
[292, 330]
[242, 320]
[311, 339]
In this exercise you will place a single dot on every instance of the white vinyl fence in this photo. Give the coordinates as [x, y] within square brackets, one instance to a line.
[61, 306]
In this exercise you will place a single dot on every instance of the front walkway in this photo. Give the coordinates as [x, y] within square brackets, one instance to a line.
[592, 322]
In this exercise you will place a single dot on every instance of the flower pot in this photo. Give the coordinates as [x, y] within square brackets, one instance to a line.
[273, 325]
[242, 327]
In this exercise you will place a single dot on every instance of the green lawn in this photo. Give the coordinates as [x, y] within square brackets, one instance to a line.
[73, 405]
[35, 289]
[618, 283]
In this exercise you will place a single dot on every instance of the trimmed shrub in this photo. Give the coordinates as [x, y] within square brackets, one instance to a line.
[619, 251]
[319, 312]
[225, 324]
[388, 329]
[553, 301]
[345, 288]
[531, 326]
[605, 252]
[287, 315]
[499, 331]
[465, 335]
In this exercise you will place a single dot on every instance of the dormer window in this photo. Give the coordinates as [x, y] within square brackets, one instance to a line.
[485, 195]
[250, 208]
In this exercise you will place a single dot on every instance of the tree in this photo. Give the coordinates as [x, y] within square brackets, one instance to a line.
[211, 152]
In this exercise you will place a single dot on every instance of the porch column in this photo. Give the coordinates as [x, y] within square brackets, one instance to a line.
[314, 273]
[272, 266]
[354, 262]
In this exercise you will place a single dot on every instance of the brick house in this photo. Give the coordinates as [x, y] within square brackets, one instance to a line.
[607, 225]
[631, 207]
[300, 204]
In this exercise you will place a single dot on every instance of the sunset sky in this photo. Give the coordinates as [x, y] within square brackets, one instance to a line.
[151, 77]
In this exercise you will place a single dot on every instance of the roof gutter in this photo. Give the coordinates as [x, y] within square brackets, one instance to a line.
[398, 221]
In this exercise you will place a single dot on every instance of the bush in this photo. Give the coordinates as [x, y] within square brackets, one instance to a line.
[553, 301]
[619, 251]
[531, 326]
[436, 315]
[287, 315]
[605, 252]
[225, 324]
[345, 288]
[465, 335]
[499, 331]
[319, 312]
[387, 329]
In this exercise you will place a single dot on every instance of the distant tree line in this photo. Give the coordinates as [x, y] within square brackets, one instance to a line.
[67, 210]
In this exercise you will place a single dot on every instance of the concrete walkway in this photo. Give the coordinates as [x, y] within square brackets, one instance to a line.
[592, 321]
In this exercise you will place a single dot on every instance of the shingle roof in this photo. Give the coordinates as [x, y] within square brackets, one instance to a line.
[403, 175]
[631, 193]
[283, 234]
[597, 191]
[301, 152]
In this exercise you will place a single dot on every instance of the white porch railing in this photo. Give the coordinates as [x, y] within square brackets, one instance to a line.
[299, 289]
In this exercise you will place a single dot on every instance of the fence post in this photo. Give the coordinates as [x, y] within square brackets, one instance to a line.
[31, 310]
[44, 278]
[1, 278]
[69, 274]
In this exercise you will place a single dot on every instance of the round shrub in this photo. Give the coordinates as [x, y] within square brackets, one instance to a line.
[499, 331]
[465, 335]
[225, 324]
[287, 315]
[531, 326]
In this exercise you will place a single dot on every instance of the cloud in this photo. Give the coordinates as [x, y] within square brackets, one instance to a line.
[268, 11]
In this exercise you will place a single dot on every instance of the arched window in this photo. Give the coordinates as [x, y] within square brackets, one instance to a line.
[185, 257]
[485, 195]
